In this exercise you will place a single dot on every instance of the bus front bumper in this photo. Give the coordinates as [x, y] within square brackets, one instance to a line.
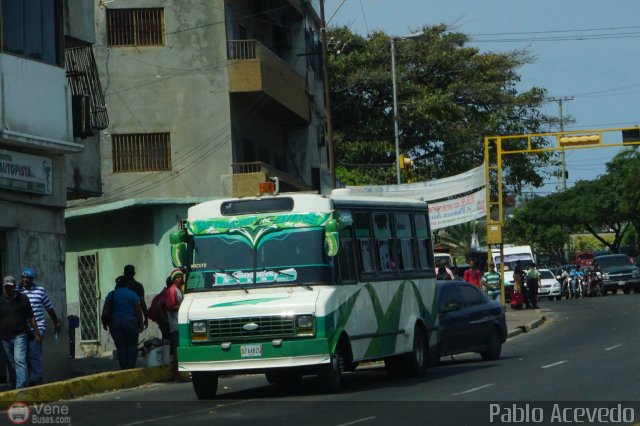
[253, 356]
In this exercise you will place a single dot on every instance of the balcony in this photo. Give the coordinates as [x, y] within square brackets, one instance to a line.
[246, 176]
[255, 71]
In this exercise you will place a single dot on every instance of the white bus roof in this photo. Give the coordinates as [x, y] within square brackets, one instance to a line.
[304, 203]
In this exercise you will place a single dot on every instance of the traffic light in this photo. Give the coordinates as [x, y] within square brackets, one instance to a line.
[629, 136]
[405, 162]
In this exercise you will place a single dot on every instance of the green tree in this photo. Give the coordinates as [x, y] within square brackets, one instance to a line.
[460, 237]
[625, 171]
[450, 96]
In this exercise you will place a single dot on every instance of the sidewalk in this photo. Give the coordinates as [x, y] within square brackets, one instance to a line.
[95, 375]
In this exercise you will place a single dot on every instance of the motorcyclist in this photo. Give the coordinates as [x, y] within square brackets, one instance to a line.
[564, 281]
[576, 276]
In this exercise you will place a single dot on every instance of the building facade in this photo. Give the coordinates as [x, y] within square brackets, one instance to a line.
[45, 114]
[205, 100]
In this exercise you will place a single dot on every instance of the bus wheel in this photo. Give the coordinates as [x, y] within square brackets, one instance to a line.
[330, 375]
[416, 360]
[205, 384]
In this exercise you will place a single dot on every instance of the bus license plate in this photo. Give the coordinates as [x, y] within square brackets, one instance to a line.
[247, 351]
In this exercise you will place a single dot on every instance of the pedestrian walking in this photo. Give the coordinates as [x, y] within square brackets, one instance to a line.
[491, 282]
[40, 303]
[172, 303]
[533, 283]
[137, 288]
[15, 316]
[122, 316]
[473, 274]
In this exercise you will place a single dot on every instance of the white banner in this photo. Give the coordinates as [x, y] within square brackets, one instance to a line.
[427, 191]
[458, 210]
[25, 172]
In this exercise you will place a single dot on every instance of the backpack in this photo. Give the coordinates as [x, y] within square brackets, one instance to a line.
[156, 311]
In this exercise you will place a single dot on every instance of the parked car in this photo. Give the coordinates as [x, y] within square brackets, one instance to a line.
[467, 322]
[618, 272]
[550, 287]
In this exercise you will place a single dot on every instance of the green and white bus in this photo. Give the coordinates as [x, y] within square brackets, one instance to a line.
[298, 284]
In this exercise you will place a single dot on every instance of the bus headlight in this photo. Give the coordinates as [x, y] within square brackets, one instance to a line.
[199, 330]
[305, 325]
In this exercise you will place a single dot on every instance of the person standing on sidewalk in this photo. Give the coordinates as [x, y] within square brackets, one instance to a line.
[491, 282]
[15, 315]
[533, 283]
[473, 274]
[123, 317]
[172, 304]
[137, 288]
[40, 302]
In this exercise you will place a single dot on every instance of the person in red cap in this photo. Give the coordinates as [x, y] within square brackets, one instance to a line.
[173, 300]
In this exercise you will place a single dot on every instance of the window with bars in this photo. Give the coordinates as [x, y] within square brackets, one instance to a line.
[141, 152]
[135, 27]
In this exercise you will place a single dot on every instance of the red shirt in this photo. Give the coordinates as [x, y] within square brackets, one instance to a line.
[473, 276]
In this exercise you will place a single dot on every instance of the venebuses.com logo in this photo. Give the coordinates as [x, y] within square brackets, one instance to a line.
[18, 413]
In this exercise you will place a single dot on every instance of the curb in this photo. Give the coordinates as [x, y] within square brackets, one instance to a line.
[85, 385]
[526, 328]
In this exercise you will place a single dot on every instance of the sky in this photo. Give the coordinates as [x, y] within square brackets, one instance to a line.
[587, 50]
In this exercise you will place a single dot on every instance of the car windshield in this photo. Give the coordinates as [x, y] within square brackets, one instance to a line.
[281, 257]
[605, 262]
[544, 274]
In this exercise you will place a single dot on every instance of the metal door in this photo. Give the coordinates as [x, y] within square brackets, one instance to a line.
[89, 298]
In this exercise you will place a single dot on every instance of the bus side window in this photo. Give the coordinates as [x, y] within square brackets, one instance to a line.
[425, 251]
[405, 241]
[365, 242]
[382, 231]
[346, 257]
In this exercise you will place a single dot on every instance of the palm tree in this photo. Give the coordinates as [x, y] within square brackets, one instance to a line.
[464, 238]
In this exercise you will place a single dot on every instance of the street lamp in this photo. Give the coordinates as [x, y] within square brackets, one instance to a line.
[395, 99]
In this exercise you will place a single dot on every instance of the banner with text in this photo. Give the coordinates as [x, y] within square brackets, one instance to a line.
[25, 172]
[458, 210]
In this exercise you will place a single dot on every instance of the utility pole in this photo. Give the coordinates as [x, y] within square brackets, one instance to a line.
[327, 99]
[560, 100]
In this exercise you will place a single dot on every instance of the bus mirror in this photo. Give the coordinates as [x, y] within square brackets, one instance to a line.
[178, 236]
[331, 225]
[179, 254]
[331, 243]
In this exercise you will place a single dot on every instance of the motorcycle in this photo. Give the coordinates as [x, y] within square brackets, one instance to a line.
[595, 284]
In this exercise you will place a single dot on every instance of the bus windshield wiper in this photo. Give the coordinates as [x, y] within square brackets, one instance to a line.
[229, 275]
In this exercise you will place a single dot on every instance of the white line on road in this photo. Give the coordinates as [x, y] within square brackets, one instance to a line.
[473, 390]
[612, 347]
[366, 419]
[554, 364]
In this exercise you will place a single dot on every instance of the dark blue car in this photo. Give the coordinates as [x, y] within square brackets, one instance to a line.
[467, 322]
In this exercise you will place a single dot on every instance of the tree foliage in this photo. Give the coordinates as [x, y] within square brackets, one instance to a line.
[450, 96]
[610, 203]
[460, 237]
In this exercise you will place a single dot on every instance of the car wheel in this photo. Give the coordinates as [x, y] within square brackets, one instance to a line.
[205, 384]
[433, 356]
[330, 375]
[627, 290]
[494, 346]
[550, 298]
[558, 297]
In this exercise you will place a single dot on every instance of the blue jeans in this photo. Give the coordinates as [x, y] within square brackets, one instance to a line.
[34, 360]
[125, 331]
[16, 351]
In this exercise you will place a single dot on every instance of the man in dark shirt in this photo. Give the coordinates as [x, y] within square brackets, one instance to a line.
[137, 288]
[15, 314]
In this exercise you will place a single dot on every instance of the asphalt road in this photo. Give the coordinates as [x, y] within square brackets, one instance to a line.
[585, 357]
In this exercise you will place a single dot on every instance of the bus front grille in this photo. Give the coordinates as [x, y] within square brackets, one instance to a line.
[244, 328]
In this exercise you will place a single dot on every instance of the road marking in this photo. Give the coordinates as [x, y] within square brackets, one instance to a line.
[612, 347]
[554, 364]
[366, 419]
[473, 390]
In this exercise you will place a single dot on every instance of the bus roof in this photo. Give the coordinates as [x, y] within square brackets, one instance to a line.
[304, 202]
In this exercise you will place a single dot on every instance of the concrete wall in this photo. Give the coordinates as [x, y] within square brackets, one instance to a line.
[179, 88]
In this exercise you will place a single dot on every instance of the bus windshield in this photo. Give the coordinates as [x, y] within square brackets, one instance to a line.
[282, 257]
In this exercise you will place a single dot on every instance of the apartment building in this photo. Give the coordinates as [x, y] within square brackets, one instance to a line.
[205, 99]
[50, 105]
